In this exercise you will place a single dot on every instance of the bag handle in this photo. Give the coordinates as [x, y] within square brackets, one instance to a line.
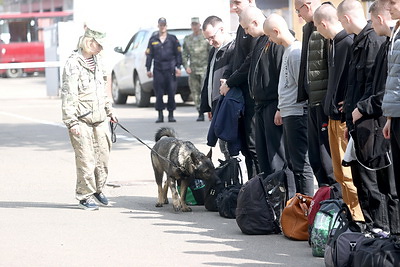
[303, 204]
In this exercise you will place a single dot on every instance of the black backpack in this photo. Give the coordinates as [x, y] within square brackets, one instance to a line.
[229, 173]
[255, 212]
[378, 252]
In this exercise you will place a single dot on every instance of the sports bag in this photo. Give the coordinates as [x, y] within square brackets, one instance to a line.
[377, 252]
[194, 193]
[254, 213]
[294, 221]
[229, 173]
[323, 223]
[227, 201]
[343, 240]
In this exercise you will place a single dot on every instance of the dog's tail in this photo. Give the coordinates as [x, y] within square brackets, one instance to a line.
[165, 131]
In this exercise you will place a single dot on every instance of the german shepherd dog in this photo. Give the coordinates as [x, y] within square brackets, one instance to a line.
[180, 160]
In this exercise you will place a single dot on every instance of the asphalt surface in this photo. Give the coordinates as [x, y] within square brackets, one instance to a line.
[41, 224]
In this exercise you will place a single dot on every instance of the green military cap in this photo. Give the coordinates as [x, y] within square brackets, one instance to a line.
[195, 20]
[96, 35]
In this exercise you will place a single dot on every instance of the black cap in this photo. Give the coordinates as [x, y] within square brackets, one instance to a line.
[162, 20]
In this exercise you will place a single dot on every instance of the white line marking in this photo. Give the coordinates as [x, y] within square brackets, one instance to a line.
[61, 125]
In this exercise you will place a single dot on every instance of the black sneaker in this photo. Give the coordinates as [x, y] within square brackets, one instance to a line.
[100, 197]
[88, 204]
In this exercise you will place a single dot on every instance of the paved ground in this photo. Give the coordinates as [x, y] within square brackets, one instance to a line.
[40, 224]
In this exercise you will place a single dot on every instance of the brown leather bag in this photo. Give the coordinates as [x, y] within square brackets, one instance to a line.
[294, 220]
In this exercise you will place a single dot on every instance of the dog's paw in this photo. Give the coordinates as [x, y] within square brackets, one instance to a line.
[166, 201]
[186, 209]
[177, 208]
[158, 205]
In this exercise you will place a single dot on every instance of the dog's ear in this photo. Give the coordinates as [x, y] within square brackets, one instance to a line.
[209, 154]
[195, 158]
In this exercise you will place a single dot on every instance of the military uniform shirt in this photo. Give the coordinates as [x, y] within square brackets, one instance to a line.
[195, 53]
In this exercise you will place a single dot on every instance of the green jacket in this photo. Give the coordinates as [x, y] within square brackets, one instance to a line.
[83, 92]
[195, 53]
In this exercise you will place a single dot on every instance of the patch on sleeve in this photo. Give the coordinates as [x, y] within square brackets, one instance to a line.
[155, 43]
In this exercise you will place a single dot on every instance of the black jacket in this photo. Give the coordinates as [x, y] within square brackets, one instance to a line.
[222, 62]
[338, 69]
[364, 50]
[371, 102]
[237, 72]
[372, 149]
[265, 66]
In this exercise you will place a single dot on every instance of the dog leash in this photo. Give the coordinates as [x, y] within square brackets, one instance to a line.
[113, 126]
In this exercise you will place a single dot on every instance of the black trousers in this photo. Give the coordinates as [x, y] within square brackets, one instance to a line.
[247, 137]
[378, 199]
[395, 145]
[296, 147]
[318, 146]
[270, 145]
[164, 82]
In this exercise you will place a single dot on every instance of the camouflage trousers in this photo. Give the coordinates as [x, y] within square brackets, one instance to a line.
[92, 149]
[196, 84]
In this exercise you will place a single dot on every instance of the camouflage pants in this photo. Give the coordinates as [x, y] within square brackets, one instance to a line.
[196, 84]
[92, 148]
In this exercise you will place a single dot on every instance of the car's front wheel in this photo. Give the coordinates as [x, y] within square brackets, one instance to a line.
[14, 73]
[118, 98]
[142, 97]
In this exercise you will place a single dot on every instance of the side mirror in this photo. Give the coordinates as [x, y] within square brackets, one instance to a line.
[118, 49]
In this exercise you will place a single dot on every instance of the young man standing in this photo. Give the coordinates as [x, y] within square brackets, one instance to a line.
[236, 76]
[291, 114]
[364, 50]
[265, 65]
[368, 115]
[328, 25]
[313, 81]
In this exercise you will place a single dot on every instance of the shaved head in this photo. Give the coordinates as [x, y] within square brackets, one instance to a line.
[275, 21]
[351, 8]
[327, 13]
[250, 14]
[252, 20]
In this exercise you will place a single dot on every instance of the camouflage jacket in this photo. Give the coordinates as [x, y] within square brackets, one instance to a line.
[83, 92]
[195, 53]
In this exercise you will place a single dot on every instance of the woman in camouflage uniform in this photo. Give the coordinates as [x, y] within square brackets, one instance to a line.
[85, 108]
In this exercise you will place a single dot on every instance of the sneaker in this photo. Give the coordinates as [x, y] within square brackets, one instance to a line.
[88, 204]
[100, 197]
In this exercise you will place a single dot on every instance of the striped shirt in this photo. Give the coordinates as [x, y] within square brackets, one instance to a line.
[90, 62]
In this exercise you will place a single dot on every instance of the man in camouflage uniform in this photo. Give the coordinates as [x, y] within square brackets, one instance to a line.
[85, 108]
[194, 59]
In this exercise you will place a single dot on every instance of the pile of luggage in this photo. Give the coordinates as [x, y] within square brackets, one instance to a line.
[261, 206]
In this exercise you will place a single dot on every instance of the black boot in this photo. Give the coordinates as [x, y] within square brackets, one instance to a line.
[160, 117]
[171, 116]
[201, 117]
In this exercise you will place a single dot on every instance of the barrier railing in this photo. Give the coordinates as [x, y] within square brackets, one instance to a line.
[27, 65]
